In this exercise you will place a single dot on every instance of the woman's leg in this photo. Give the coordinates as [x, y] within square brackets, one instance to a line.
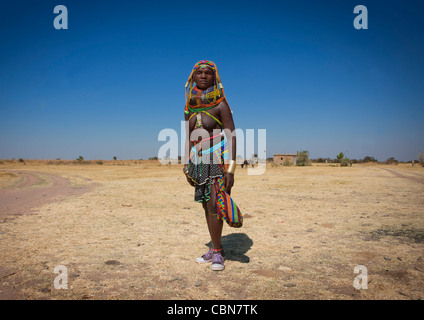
[214, 224]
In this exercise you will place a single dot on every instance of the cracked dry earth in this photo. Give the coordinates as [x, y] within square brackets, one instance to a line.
[132, 231]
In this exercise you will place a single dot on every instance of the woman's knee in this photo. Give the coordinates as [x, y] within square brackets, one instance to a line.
[211, 207]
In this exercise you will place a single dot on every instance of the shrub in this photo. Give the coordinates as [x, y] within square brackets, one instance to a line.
[344, 162]
[369, 159]
[287, 163]
[392, 161]
[302, 158]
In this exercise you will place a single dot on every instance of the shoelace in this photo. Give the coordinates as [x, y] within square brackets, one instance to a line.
[207, 256]
[218, 258]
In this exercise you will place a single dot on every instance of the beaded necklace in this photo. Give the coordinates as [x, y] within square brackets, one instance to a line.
[199, 100]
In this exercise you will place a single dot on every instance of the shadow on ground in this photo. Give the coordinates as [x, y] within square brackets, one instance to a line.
[235, 246]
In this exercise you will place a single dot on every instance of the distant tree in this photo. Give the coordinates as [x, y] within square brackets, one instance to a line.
[80, 159]
[302, 158]
[392, 161]
[369, 159]
[114, 158]
[344, 161]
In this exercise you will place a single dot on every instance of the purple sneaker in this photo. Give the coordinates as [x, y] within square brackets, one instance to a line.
[218, 261]
[207, 257]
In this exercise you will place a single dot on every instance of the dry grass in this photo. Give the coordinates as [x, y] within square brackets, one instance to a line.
[137, 234]
[8, 179]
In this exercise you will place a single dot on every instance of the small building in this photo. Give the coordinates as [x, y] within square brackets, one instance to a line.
[288, 158]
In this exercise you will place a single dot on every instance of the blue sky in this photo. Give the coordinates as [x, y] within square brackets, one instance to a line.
[299, 69]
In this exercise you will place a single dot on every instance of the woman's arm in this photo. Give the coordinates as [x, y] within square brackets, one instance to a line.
[228, 126]
[188, 146]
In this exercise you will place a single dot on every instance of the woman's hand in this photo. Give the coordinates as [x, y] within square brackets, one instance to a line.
[190, 181]
[185, 170]
[228, 181]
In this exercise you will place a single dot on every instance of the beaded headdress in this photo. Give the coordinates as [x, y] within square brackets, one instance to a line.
[197, 100]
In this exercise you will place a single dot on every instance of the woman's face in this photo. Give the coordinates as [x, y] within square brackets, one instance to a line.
[204, 78]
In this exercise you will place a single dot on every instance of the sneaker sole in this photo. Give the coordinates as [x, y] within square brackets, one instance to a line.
[200, 260]
[217, 267]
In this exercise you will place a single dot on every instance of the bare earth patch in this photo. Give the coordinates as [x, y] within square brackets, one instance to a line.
[24, 190]
[137, 233]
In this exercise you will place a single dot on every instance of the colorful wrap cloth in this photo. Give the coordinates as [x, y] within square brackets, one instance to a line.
[206, 168]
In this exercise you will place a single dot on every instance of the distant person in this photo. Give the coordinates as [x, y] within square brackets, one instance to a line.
[210, 169]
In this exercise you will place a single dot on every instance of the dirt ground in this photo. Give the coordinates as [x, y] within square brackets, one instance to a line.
[131, 230]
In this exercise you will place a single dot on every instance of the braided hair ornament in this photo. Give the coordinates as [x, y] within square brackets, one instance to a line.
[197, 100]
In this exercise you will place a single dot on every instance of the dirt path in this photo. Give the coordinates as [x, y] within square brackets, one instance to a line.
[416, 178]
[33, 190]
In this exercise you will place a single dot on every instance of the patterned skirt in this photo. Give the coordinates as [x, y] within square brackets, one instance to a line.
[206, 168]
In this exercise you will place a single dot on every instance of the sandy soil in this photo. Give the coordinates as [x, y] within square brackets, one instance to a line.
[22, 191]
[135, 235]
